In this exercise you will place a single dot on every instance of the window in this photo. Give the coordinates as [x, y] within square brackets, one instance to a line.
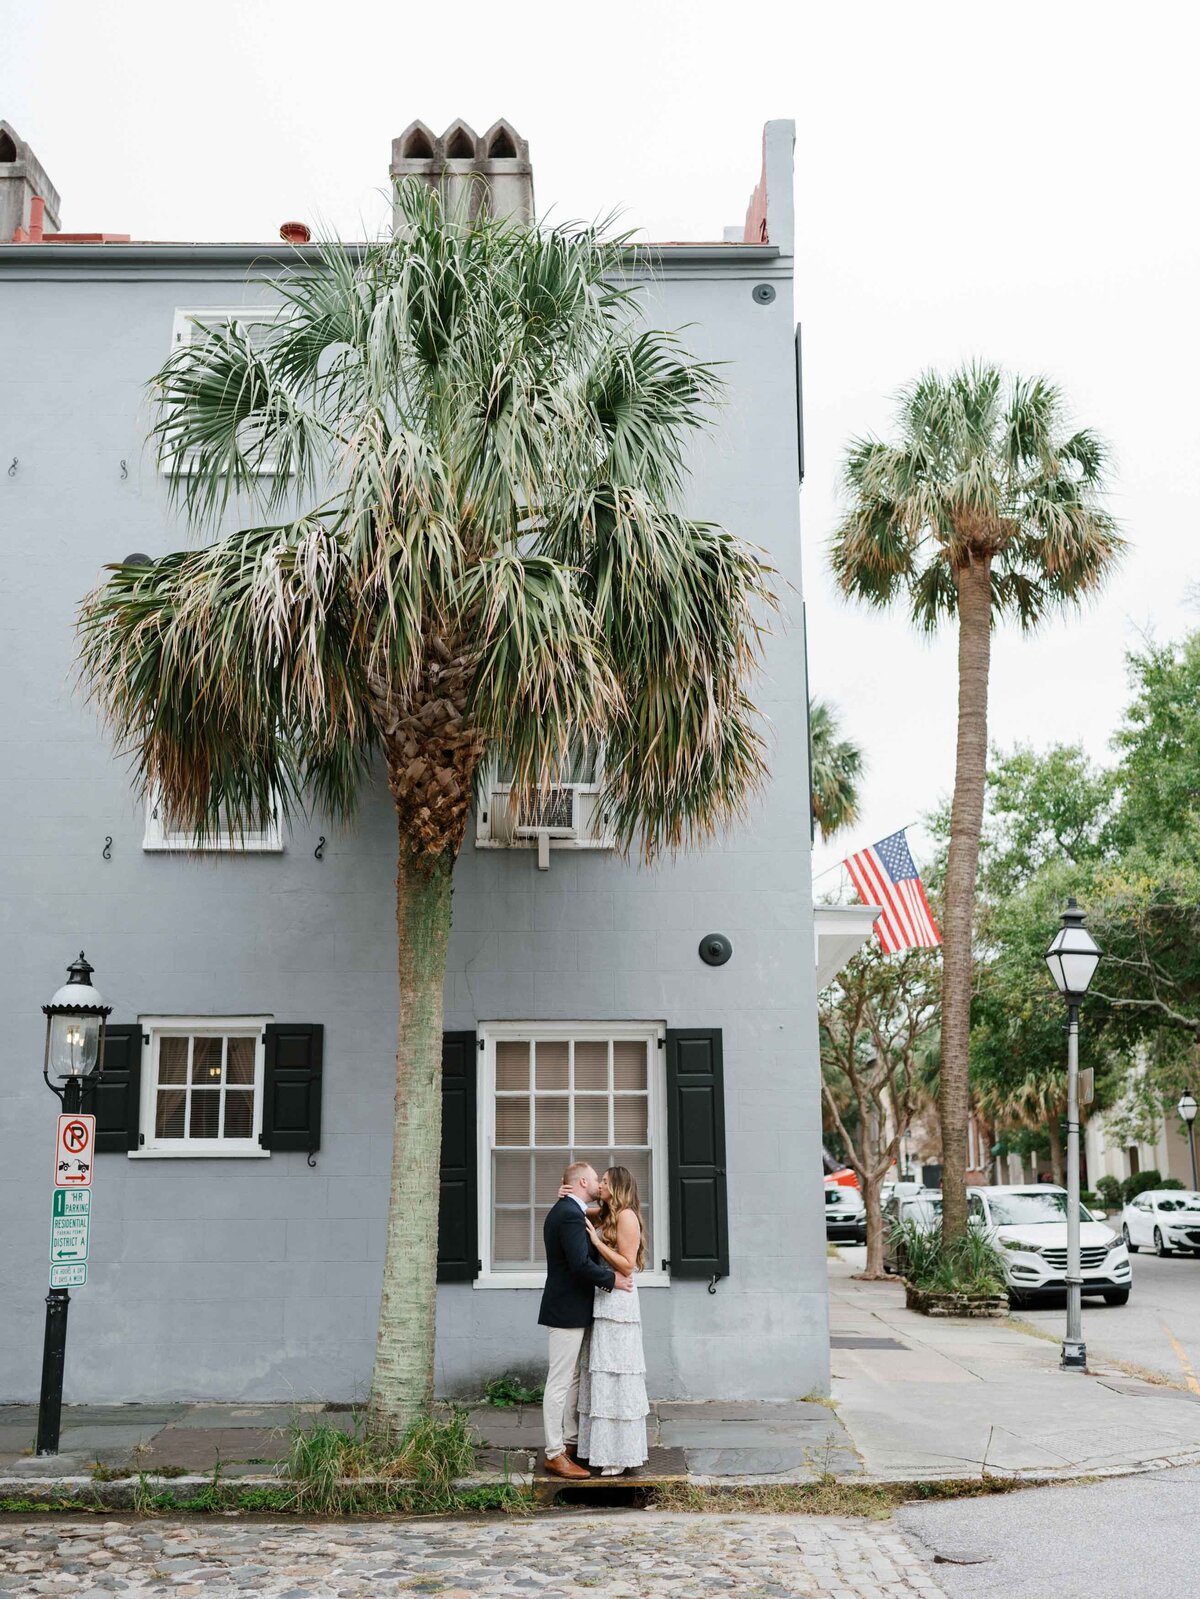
[202, 1085]
[251, 842]
[975, 1208]
[567, 817]
[191, 326]
[553, 1093]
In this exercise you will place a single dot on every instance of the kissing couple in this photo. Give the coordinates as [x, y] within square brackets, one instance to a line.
[595, 1405]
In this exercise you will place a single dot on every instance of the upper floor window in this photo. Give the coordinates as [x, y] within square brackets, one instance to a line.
[192, 325]
[158, 837]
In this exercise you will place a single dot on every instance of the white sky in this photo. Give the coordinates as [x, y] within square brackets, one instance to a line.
[1012, 180]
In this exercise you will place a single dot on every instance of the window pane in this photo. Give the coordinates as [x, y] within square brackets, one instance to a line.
[172, 1060]
[239, 1062]
[510, 1179]
[550, 1120]
[511, 1244]
[551, 1065]
[206, 1061]
[637, 1162]
[539, 1243]
[512, 1065]
[239, 1113]
[168, 1118]
[599, 1159]
[547, 1176]
[591, 1120]
[629, 1120]
[629, 1064]
[512, 1121]
[591, 1066]
[206, 1110]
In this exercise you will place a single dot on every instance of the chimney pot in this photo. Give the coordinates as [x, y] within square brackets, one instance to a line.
[37, 219]
[295, 232]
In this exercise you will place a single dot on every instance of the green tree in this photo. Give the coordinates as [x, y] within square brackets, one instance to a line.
[877, 1022]
[837, 765]
[985, 506]
[487, 453]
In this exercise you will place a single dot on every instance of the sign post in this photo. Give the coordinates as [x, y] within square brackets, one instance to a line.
[70, 1230]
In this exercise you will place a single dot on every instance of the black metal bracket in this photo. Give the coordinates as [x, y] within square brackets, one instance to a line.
[12, 471]
[107, 850]
[312, 1159]
[713, 1281]
[319, 852]
[124, 470]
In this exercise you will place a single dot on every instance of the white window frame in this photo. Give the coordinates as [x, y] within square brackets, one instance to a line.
[154, 1029]
[581, 835]
[158, 840]
[183, 334]
[653, 1034]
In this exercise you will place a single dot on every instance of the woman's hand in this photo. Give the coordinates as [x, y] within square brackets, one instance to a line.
[564, 1192]
[591, 1231]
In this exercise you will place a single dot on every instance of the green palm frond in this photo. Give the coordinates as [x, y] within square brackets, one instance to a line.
[983, 467]
[463, 457]
[837, 767]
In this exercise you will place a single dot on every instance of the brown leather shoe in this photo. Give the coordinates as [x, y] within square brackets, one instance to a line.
[564, 1466]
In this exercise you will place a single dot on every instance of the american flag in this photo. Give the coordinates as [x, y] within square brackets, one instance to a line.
[886, 875]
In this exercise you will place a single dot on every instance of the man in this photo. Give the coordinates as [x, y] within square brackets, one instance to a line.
[573, 1271]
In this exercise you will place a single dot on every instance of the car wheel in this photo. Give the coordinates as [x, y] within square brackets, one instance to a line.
[1159, 1247]
[1129, 1243]
[1116, 1296]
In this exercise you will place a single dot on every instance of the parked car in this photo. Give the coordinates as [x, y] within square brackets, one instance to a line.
[1030, 1225]
[922, 1209]
[1162, 1219]
[845, 1213]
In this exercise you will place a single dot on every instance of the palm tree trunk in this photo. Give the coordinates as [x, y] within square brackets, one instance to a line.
[974, 582]
[402, 1382]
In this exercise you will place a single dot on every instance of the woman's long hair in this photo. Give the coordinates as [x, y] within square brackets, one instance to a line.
[624, 1190]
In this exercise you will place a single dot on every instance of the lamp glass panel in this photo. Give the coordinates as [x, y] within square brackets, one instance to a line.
[1078, 968]
[74, 1045]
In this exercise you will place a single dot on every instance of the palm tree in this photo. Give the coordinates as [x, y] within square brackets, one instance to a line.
[837, 765]
[470, 460]
[986, 506]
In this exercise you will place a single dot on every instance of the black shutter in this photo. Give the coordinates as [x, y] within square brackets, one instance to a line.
[696, 1153]
[292, 1087]
[458, 1229]
[114, 1098]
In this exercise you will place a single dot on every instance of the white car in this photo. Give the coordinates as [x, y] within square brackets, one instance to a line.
[1162, 1219]
[845, 1213]
[1030, 1225]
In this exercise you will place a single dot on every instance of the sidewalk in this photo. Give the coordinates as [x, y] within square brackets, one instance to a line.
[923, 1397]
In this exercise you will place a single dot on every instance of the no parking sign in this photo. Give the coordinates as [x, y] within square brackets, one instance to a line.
[74, 1150]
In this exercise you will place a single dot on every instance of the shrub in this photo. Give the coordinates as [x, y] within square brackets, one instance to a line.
[1141, 1181]
[326, 1463]
[507, 1391]
[968, 1265]
[1109, 1190]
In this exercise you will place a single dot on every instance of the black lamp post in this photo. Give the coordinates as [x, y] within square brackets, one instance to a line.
[1187, 1110]
[75, 1021]
[1072, 958]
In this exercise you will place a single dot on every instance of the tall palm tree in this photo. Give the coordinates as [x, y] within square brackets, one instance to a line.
[470, 460]
[837, 765]
[986, 506]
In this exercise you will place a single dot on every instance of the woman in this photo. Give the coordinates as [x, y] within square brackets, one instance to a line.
[612, 1379]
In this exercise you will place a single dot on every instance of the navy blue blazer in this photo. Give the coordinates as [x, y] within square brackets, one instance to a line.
[573, 1269]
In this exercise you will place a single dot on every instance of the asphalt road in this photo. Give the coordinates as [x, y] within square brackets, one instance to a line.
[1159, 1329]
[1129, 1538]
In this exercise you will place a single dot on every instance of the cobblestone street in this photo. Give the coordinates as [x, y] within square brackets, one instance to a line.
[625, 1555]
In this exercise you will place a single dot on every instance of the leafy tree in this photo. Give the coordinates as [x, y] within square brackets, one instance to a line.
[985, 506]
[878, 1023]
[488, 455]
[837, 765]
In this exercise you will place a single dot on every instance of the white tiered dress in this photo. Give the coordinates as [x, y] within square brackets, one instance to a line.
[612, 1384]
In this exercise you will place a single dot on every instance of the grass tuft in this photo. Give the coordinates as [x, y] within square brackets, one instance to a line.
[508, 1391]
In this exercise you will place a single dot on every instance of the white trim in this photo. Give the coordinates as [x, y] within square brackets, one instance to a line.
[154, 1029]
[653, 1034]
[156, 840]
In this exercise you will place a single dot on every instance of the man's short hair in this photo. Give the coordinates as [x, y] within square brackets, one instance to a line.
[573, 1170]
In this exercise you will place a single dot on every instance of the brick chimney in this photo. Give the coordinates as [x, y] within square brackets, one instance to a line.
[472, 171]
[22, 178]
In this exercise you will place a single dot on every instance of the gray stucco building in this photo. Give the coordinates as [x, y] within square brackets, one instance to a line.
[239, 1203]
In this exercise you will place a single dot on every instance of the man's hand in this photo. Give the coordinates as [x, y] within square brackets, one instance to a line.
[623, 1282]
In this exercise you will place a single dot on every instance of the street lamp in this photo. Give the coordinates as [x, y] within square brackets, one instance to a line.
[75, 1022]
[1187, 1109]
[1072, 958]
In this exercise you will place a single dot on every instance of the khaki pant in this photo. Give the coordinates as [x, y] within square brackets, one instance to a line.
[560, 1406]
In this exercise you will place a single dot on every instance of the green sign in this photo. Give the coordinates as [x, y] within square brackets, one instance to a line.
[70, 1225]
[73, 1275]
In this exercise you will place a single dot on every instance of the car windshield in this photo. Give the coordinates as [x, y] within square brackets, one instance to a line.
[1179, 1202]
[1030, 1208]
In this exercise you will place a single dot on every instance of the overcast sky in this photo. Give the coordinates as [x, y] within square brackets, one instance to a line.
[1015, 181]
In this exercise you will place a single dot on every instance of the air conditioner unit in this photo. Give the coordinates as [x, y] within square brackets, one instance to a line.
[553, 813]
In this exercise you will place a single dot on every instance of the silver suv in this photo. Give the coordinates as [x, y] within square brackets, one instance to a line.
[845, 1213]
